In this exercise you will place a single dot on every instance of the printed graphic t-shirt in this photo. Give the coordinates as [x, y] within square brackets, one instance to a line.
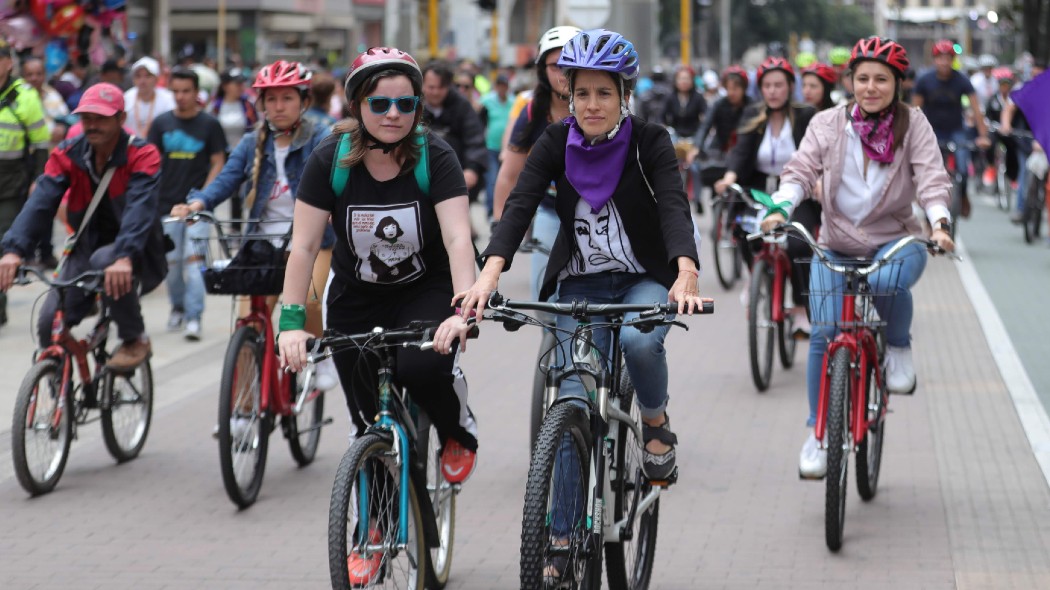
[187, 146]
[387, 233]
[279, 202]
[600, 243]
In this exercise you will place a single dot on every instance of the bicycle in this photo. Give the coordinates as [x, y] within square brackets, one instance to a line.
[948, 149]
[598, 439]
[390, 502]
[252, 391]
[546, 357]
[734, 218]
[61, 388]
[854, 400]
[767, 302]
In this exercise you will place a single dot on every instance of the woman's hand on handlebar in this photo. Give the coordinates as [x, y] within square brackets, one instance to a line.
[184, 210]
[449, 330]
[686, 293]
[772, 221]
[721, 185]
[476, 297]
[943, 239]
[292, 347]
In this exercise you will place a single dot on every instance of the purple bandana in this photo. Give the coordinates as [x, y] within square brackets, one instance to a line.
[876, 134]
[594, 170]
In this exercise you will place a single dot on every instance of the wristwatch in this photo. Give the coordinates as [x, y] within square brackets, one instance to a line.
[944, 225]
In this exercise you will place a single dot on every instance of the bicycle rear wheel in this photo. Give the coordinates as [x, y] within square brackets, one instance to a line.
[368, 482]
[727, 267]
[304, 429]
[443, 501]
[42, 429]
[838, 450]
[244, 431]
[127, 411]
[557, 520]
[786, 342]
[629, 561]
[869, 449]
[760, 326]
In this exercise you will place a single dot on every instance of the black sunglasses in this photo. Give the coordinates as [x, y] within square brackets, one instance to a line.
[380, 105]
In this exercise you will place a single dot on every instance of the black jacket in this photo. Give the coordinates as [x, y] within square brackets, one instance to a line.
[685, 120]
[742, 156]
[657, 223]
[724, 118]
[460, 126]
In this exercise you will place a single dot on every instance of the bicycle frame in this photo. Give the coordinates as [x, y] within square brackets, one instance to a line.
[273, 381]
[774, 254]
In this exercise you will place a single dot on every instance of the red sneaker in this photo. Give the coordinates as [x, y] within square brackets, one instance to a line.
[457, 462]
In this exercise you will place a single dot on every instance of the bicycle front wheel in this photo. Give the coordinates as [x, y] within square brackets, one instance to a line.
[727, 265]
[629, 561]
[838, 449]
[442, 500]
[869, 448]
[786, 343]
[42, 429]
[127, 410]
[304, 429]
[364, 522]
[243, 429]
[558, 528]
[760, 326]
[1002, 188]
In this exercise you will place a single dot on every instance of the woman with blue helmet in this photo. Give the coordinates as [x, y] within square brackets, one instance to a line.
[624, 238]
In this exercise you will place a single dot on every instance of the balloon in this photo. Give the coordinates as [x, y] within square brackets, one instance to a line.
[21, 31]
[67, 21]
[55, 56]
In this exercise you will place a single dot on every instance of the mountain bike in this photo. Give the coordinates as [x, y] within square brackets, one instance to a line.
[853, 403]
[734, 218]
[589, 453]
[61, 388]
[390, 503]
[253, 393]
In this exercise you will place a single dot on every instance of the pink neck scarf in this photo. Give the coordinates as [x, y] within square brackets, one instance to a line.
[875, 132]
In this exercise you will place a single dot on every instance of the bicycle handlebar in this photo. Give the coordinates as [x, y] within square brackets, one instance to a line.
[91, 280]
[744, 196]
[418, 334]
[583, 309]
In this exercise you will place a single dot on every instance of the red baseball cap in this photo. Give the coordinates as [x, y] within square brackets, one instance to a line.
[101, 99]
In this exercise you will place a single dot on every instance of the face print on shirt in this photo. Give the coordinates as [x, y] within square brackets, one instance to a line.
[386, 242]
[599, 242]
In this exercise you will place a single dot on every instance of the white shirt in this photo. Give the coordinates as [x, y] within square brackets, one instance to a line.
[774, 152]
[601, 245]
[141, 114]
[233, 121]
[279, 201]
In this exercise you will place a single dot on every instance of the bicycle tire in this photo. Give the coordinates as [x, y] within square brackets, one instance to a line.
[304, 429]
[41, 481]
[956, 204]
[565, 424]
[1033, 217]
[546, 356]
[760, 327]
[869, 448]
[725, 250]
[125, 438]
[629, 563]
[1001, 181]
[786, 343]
[443, 501]
[838, 454]
[401, 568]
[243, 365]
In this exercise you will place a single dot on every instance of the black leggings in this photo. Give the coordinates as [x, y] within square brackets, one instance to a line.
[434, 381]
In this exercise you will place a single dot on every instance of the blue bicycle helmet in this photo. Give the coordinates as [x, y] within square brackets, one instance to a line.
[600, 49]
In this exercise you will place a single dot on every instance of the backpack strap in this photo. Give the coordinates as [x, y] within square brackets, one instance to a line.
[340, 175]
[422, 170]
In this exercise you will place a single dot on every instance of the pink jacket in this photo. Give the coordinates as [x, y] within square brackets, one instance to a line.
[917, 172]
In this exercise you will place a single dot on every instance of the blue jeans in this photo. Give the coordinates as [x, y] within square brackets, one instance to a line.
[185, 281]
[545, 230]
[490, 180]
[962, 155]
[825, 305]
[1024, 149]
[646, 361]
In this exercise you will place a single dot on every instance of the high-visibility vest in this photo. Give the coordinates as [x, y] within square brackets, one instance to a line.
[21, 115]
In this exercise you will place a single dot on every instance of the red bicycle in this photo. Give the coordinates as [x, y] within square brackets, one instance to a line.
[253, 393]
[852, 408]
[61, 389]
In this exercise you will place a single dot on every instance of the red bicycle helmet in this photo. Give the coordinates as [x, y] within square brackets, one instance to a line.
[1003, 73]
[734, 70]
[377, 59]
[822, 71]
[943, 46]
[283, 74]
[881, 50]
[772, 64]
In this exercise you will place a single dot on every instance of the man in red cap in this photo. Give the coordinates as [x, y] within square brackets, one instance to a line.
[122, 236]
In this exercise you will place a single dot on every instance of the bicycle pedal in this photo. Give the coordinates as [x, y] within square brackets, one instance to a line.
[802, 477]
[666, 483]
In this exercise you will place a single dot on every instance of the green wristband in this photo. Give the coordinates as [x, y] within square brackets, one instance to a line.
[293, 317]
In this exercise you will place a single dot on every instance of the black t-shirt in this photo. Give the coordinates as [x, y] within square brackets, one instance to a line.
[186, 146]
[387, 233]
[942, 101]
[522, 143]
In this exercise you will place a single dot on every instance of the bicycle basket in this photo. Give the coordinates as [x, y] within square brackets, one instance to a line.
[243, 265]
[875, 294]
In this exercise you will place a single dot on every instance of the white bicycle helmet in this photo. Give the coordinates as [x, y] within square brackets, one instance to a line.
[555, 38]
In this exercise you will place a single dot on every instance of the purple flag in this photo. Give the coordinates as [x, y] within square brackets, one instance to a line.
[1032, 100]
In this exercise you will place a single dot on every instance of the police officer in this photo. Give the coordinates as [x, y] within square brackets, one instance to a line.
[24, 142]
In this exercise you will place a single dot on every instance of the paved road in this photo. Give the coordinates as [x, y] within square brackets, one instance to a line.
[961, 504]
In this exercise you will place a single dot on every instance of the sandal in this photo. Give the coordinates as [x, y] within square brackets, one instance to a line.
[659, 466]
[554, 570]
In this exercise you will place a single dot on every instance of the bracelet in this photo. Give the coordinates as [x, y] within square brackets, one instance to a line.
[689, 270]
[293, 317]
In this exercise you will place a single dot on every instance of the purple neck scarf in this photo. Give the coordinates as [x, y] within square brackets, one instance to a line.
[876, 133]
[594, 170]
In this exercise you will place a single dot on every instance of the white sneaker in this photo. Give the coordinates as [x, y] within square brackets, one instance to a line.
[193, 330]
[240, 431]
[813, 460]
[900, 371]
[175, 319]
[325, 377]
[800, 326]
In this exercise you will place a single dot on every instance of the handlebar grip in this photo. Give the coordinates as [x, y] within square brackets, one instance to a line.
[707, 307]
